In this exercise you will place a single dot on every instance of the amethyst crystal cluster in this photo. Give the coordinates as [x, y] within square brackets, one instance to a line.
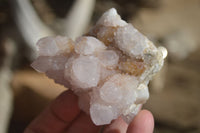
[109, 68]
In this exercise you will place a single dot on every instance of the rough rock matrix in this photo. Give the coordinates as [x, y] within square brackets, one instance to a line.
[109, 68]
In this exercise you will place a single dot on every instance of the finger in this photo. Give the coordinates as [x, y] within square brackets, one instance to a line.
[117, 126]
[142, 123]
[83, 124]
[57, 116]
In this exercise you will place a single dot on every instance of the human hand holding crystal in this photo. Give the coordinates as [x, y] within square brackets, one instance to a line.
[64, 116]
[108, 68]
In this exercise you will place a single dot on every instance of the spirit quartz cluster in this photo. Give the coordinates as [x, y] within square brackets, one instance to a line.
[108, 68]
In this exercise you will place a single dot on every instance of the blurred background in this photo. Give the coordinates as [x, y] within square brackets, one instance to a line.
[175, 24]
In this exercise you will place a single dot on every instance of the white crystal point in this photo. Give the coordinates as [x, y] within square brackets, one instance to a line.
[44, 63]
[108, 58]
[109, 69]
[123, 89]
[111, 96]
[142, 94]
[102, 114]
[51, 46]
[88, 45]
[130, 41]
[41, 64]
[47, 46]
[85, 72]
[111, 18]
[64, 44]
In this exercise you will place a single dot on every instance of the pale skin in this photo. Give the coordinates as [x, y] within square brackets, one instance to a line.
[64, 116]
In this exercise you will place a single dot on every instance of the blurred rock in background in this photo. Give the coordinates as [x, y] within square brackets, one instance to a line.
[6, 96]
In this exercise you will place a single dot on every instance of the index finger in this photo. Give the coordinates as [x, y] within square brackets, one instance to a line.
[57, 116]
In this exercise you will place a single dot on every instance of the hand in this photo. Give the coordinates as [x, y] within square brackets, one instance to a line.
[64, 116]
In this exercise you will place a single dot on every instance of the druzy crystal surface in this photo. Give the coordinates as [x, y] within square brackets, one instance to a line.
[108, 68]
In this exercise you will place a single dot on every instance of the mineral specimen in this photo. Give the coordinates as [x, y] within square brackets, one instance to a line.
[108, 69]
